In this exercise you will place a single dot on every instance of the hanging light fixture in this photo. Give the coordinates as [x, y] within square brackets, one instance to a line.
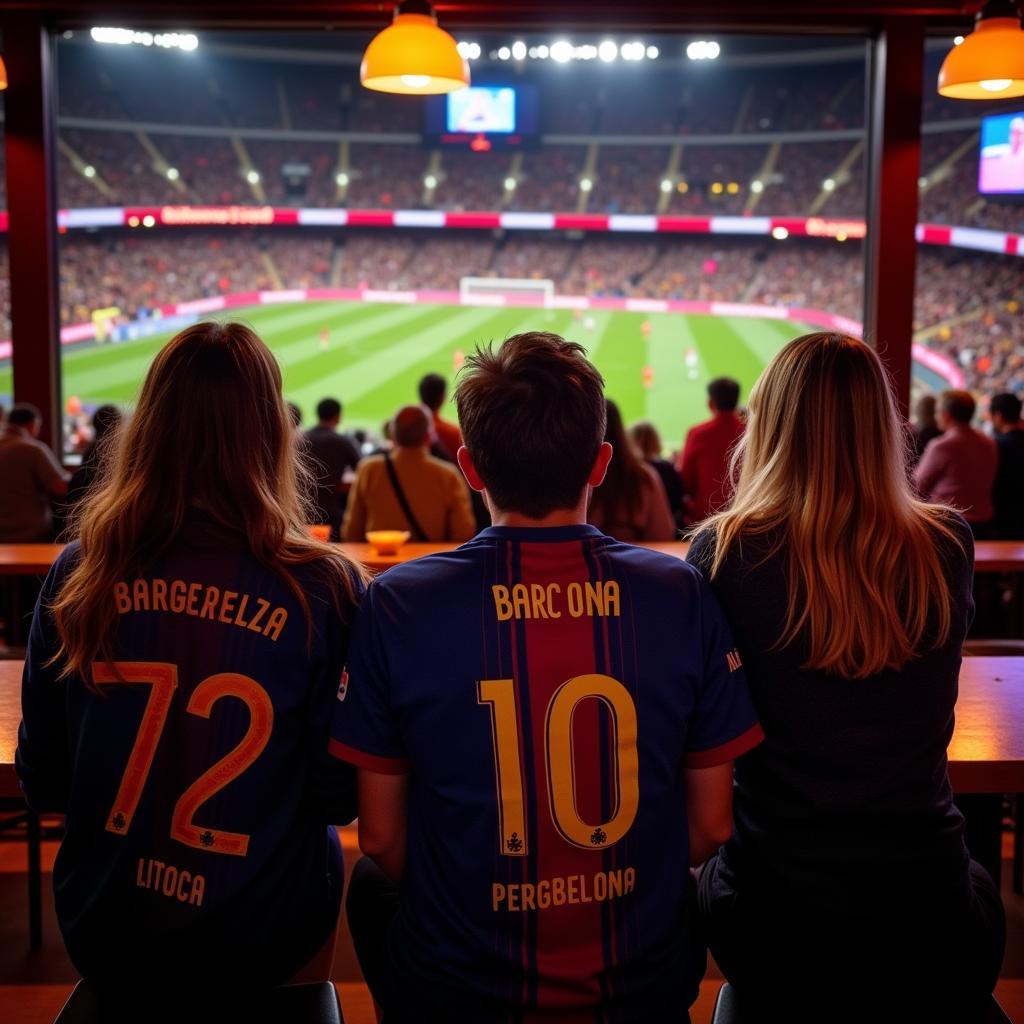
[414, 55]
[3, 75]
[989, 63]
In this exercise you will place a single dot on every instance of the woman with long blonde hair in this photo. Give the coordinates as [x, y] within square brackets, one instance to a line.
[850, 601]
[183, 663]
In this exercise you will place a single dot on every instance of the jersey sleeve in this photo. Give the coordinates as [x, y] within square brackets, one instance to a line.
[364, 729]
[43, 758]
[333, 782]
[724, 724]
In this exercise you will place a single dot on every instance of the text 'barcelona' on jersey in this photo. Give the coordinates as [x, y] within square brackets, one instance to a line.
[545, 689]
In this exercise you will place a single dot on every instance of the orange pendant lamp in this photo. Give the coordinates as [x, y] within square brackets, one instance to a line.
[3, 75]
[414, 55]
[989, 63]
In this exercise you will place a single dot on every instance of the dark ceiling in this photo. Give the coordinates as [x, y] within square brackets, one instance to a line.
[737, 15]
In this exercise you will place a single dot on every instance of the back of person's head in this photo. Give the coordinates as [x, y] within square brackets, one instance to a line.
[532, 414]
[24, 415]
[105, 419]
[296, 414]
[958, 405]
[646, 438]
[411, 427]
[210, 432]
[328, 410]
[1007, 406]
[823, 465]
[724, 394]
[432, 390]
[924, 410]
[621, 494]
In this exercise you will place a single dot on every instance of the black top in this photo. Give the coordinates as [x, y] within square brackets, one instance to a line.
[673, 486]
[1008, 490]
[332, 454]
[846, 808]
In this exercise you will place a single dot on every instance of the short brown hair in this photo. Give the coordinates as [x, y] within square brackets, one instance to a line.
[959, 405]
[533, 419]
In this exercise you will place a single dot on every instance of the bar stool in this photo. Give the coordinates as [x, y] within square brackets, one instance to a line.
[289, 1004]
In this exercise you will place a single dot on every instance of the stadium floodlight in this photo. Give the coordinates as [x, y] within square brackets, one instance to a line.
[561, 51]
[717, 188]
[504, 53]
[607, 51]
[703, 49]
[829, 184]
[586, 184]
[666, 185]
[471, 51]
[430, 181]
[652, 52]
[733, 188]
[633, 51]
[779, 233]
[519, 50]
[341, 178]
[757, 186]
[510, 183]
[186, 41]
[252, 176]
[148, 221]
[585, 52]
[543, 52]
[89, 171]
[173, 174]
[958, 40]
[683, 187]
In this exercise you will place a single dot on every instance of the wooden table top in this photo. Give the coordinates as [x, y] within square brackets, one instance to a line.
[986, 755]
[36, 559]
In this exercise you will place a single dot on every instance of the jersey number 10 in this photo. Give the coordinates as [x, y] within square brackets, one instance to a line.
[559, 763]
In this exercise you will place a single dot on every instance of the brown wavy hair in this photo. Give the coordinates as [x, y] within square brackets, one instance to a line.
[822, 464]
[210, 431]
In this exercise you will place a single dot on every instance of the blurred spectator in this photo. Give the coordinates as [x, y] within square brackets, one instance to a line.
[704, 462]
[1008, 491]
[296, 414]
[31, 477]
[631, 504]
[333, 455]
[433, 390]
[926, 426]
[959, 468]
[408, 489]
[105, 420]
[648, 442]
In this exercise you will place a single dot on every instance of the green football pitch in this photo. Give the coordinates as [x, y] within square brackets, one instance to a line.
[376, 353]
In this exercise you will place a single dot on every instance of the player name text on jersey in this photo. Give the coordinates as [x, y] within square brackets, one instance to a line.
[556, 892]
[202, 602]
[540, 601]
[170, 881]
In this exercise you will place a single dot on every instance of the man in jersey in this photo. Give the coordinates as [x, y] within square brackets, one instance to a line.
[544, 722]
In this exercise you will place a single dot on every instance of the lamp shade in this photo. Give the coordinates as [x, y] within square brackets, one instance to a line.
[988, 64]
[3, 75]
[413, 55]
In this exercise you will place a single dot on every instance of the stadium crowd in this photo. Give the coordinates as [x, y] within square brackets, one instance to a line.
[968, 304]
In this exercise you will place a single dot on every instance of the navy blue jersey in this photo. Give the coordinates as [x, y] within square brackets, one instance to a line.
[545, 690]
[196, 783]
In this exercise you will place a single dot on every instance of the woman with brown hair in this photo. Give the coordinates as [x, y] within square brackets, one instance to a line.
[846, 877]
[183, 663]
[631, 504]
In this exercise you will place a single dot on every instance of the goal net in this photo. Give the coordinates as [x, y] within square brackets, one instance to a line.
[501, 291]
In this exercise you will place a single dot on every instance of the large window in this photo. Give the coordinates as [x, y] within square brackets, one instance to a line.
[680, 206]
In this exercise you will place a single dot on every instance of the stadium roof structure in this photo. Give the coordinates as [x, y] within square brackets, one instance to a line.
[896, 29]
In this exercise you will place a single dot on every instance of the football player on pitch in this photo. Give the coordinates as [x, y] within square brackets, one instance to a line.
[544, 723]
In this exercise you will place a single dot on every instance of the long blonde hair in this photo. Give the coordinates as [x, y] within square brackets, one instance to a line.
[823, 463]
[210, 430]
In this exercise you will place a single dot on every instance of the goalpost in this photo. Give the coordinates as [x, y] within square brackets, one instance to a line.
[492, 291]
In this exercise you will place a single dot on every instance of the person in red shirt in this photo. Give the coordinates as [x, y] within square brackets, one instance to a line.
[433, 391]
[704, 463]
